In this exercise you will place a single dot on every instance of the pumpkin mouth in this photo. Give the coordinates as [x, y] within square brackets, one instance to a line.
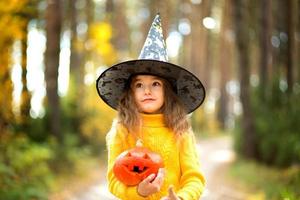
[137, 169]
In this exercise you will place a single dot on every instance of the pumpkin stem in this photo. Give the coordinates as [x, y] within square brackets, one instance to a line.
[139, 143]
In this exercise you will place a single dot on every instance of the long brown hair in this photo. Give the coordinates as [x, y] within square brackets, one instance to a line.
[175, 115]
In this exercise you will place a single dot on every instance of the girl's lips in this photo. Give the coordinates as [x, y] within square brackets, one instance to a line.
[148, 100]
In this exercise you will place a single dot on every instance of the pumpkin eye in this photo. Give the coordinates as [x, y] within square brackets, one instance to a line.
[136, 169]
[146, 156]
[145, 168]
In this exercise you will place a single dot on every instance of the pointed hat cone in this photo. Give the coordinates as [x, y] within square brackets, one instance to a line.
[155, 47]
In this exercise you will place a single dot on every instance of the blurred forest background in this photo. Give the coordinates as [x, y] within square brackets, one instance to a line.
[53, 124]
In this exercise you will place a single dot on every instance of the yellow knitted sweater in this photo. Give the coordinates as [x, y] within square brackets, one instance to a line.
[180, 159]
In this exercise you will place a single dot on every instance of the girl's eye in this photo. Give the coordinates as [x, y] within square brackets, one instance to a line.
[156, 84]
[138, 85]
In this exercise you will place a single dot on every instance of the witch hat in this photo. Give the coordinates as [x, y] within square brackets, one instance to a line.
[153, 60]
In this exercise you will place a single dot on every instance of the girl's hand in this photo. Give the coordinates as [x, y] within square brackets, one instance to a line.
[172, 195]
[151, 184]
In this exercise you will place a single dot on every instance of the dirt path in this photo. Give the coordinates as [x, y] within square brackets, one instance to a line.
[215, 155]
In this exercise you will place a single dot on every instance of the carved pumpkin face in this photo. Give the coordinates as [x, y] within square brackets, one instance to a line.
[134, 165]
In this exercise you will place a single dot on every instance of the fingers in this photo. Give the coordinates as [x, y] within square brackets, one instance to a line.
[145, 187]
[149, 178]
[160, 177]
[151, 184]
[172, 194]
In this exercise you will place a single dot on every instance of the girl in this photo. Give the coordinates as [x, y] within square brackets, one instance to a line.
[153, 98]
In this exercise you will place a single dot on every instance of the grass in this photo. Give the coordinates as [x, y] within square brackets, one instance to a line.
[266, 183]
[69, 183]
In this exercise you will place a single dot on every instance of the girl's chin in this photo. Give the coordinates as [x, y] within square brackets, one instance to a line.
[150, 111]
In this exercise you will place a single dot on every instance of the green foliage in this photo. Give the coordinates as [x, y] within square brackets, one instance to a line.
[98, 120]
[38, 129]
[237, 135]
[32, 160]
[204, 123]
[24, 169]
[276, 119]
[278, 128]
[69, 153]
[72, 112]
[274, 183]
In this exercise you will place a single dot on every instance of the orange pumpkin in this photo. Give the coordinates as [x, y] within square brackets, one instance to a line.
[134, 165]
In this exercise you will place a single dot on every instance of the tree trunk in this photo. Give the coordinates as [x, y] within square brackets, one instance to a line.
[165, 8]
[25, 95]
[206, 62]
[242, 38]
[75, 63]
[76, 58]
[53, 29]
[297, 48]
[6, 86]
[89, 12]
[199, 38]
[186, 49]
[291, 44]
[76, 66]
[120, 27]
[297, 42]
[109, 6]
[200, 45]
[265, 46]
[224, 63]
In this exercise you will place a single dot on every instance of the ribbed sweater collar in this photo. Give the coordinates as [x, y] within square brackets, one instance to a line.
[153, 120]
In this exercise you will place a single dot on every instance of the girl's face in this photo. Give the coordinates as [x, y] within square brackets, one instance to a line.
[148, 92]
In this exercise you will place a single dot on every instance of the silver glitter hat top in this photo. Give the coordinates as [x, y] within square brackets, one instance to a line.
[155, 47]
[153, 60]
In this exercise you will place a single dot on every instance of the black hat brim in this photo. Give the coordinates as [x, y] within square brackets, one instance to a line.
[113, 81]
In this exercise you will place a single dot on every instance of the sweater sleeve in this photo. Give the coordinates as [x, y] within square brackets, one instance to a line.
[192, 180]
[115, 141]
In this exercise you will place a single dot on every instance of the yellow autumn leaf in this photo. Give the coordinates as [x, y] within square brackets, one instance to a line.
[100, 36]
[101, 32]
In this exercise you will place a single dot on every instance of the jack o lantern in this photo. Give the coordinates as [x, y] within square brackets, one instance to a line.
[134, 165]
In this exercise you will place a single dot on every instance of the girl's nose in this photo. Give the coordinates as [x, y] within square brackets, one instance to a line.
[147, 90]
